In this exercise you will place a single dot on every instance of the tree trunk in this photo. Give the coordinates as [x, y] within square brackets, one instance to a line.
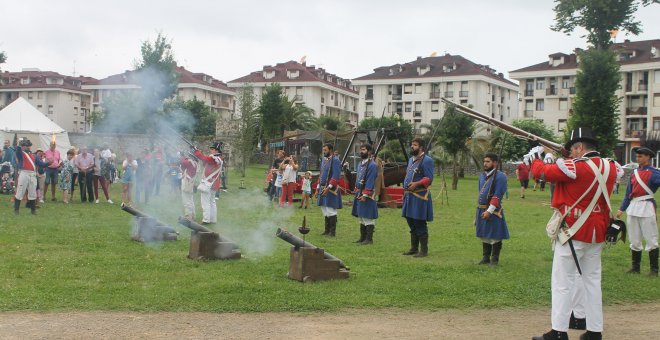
[454, 179]
[461, 171]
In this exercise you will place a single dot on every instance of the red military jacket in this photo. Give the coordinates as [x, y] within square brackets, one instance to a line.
[572, 177]
[211, 165]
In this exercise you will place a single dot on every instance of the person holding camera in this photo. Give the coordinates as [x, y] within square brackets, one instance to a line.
[288, 181]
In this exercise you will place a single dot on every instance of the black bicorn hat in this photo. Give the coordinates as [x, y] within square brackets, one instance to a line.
[25, 142]
[581, 134]
[216, 145]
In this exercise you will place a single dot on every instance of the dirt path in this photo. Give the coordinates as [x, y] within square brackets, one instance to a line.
[622, 322]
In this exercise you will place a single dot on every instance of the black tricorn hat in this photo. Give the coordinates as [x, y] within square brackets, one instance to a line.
[581, 134]
[644, 150]
[25, 142]
[216, 145]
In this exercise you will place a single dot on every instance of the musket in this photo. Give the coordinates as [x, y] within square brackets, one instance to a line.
[520, 133]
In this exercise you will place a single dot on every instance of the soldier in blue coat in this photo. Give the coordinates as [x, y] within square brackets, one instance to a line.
[329, 193]
[489, 220]
[364, 203]
[417, 205]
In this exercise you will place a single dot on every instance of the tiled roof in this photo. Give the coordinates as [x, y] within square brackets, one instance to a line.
[185, 77]
[12, 80]
[642, 51]
[305, 74]
[436, 67]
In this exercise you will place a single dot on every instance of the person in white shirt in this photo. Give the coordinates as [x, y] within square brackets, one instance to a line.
[288, 181]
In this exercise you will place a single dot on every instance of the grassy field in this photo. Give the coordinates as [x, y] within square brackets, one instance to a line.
[80, 257]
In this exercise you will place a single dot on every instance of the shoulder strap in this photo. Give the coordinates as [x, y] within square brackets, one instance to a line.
[642, 184]
[601, 178]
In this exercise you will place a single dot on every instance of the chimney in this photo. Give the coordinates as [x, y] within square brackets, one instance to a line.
[626, 41]
[501, 75]
[419, 58]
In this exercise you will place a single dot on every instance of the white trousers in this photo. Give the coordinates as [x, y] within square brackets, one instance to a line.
[367, 221]
[564, 273]
[642, 227]
[579, 298]
[27, 181]
[328, 211]
[188, 204]
[209, 209]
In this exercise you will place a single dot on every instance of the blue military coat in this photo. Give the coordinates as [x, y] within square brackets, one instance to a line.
[491, 192]
[418, 204]
[330, 174]
[365, 182]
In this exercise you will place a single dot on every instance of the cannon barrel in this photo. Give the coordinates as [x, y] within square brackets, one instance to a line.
[200, 228]
[298, 242]
[154, 222]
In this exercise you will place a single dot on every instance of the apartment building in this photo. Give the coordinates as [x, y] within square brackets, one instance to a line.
[59, 97]
[213, 92]
[548, 88]
[413, 90]
[323, 92]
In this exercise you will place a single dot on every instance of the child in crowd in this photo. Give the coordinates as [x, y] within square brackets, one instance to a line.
[306, 189]
[278, 183]
[128, 178]
[66, 175]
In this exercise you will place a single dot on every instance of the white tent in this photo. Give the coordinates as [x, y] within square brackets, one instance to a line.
[24, 120]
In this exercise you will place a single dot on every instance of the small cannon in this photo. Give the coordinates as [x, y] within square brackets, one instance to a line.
[206, 244]
[311, 263]
[149, 229]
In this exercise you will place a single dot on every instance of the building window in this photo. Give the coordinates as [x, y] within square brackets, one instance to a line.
[435, 106]
[50, 109]
[408, 106]
[656, 99]
[370, 93]
[656, 123]
[561, 125]
[418, 88]
[464, 102]
[563, 104]
[656, 76]
[407, 89]
[540, 83]
[30, 95]
[565, 82]
[540, 104]
[39, 107]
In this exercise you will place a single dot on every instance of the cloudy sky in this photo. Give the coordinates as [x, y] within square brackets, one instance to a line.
[228, 39]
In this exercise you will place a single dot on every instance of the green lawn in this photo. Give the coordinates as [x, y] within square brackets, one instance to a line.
[80, 257]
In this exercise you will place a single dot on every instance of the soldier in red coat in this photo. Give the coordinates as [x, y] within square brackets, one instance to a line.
[583, 182]
[210, 183]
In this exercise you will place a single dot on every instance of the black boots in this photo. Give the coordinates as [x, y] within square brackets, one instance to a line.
[495, 257]
[17, 206]
[552, 335]
[487, 249]
[414, 245]
[32, 204]
[363, 233]
[332, 225]
[636, 259]
[424, 249]
[577, 323]
[653, 259]
[369, 234]
[327, 226]
[589, 335]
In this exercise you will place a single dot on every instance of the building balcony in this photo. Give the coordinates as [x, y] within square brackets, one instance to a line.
[214, 102]
[636, 111]
[397, 96]
[368, 114]
[449, 94]
[572, 90]
[552, 91]
[369, 96]
[634, 133]
[417, 113]
[643, 86]
[628, 87]
[434, 95]
[299, 98]
[528, 113]
[529, 93]
[463, 94]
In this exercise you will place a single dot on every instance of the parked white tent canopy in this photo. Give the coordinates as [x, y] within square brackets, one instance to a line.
[24, 120]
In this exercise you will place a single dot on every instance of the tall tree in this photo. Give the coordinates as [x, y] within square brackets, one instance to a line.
[247, 126]
[455, 130]
[331, 123]
[392, 123]
[297, 116]
[598, 18]
[595, 104]
[511, 148]
[156, 72]
[270, 109]
[192, 117]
